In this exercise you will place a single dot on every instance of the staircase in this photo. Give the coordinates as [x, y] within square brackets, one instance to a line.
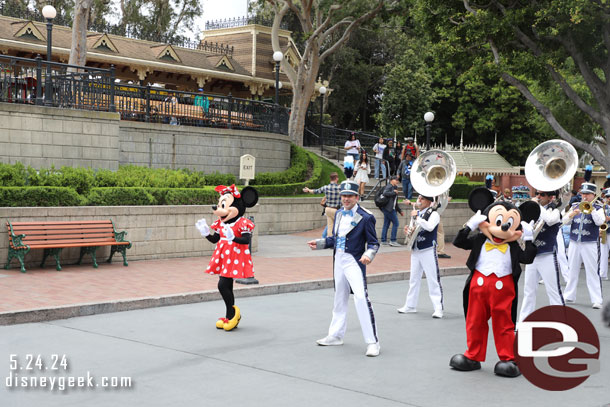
[335, 155]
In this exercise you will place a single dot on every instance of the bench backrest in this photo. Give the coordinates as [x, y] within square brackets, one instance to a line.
[60, 234]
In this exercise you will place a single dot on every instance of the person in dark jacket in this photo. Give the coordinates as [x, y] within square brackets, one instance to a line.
[389, 212]
[389, 154]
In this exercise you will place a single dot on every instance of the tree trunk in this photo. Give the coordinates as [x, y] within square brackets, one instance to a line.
[78, 51]
[302, 93]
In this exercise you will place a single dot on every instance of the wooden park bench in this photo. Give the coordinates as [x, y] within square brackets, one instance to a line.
[53, 237]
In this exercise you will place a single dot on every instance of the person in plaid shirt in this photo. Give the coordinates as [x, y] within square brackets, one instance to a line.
[332, 199]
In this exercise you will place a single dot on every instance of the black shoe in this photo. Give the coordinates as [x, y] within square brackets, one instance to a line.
[444, 256]
[461, 362]
[507, 368]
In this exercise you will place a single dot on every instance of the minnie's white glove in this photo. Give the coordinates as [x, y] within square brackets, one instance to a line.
[202, 227]
[528, 230]
[476, 220]
[228, 232]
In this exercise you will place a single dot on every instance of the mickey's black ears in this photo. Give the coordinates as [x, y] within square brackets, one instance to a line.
[250, 196]
[529, 211]
[479, 199]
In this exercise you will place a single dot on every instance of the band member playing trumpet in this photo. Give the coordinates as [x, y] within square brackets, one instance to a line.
[585, 219]
[423, 257]
[546, 264]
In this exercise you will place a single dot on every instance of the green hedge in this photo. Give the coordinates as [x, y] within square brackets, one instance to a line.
[39, 196]
[460, 190]
[131, 185]
[299, 167]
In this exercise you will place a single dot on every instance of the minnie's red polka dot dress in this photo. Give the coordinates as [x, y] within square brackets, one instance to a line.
[232, 259]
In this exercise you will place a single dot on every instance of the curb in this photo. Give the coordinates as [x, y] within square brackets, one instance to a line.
[81, 310]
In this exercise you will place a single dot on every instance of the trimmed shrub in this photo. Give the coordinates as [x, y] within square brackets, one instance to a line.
[12, 175]
[39, 196]
[185, 196]
[116, 196]
[219, 179]
[300, 161]
[460, 190]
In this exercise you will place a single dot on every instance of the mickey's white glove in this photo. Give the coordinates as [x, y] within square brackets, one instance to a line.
[528, 230]
[202, 227]
[476, 220]
[228, 232]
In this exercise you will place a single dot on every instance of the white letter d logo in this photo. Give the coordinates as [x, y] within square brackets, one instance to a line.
[526, 338]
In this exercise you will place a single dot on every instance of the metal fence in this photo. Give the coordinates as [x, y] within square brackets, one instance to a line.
[38, 82]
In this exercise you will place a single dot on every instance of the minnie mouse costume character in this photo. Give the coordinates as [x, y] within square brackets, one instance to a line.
[232, 234]
[491, 287]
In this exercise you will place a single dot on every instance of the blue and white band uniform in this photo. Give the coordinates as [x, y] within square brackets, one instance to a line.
[584, 228]
[545, 265]
[584, 248]
[424, 260]
[353, 231]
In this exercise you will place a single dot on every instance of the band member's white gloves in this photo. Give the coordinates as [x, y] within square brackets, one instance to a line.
[550, 216]
[528, 230]
[228, 232]
[598, 216]
[476, 220]
[202, 227]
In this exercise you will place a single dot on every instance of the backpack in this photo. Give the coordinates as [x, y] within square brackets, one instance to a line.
[380, 199]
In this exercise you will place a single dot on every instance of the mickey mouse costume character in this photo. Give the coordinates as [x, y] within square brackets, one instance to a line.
[232, 234]
[491, 287]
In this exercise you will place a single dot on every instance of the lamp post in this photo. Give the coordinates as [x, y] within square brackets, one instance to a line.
[49, 13]
[429, 118]
[277, 57]
[322, 91]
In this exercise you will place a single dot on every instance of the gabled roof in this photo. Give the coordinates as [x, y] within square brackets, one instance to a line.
[109, 48]
[482, 162]
[28, 31]
[101, 42]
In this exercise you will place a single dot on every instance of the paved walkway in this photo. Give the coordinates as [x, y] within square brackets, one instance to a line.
[175, 356]
[284, 263]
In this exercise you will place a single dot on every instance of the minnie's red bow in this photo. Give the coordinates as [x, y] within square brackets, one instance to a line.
[228, 190]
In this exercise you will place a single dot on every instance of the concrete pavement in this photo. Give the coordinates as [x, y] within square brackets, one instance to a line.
[175, 356]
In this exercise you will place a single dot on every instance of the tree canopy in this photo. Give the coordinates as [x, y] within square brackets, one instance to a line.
[553, 52]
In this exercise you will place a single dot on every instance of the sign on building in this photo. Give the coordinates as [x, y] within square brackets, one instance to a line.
[246, 167]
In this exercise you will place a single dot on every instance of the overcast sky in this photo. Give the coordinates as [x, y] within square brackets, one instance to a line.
[221, 9]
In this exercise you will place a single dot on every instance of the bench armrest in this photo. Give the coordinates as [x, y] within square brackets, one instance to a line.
[120, 236]
[16, 240]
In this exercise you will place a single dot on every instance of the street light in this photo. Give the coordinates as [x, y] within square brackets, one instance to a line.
[429, 118]
[49, 13]
[322, 91]
[277, 57]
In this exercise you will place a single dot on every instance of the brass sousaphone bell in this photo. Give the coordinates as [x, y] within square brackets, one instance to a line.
[551, 166]
[432, 174]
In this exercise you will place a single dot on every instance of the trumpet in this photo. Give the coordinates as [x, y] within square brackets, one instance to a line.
[603, 232]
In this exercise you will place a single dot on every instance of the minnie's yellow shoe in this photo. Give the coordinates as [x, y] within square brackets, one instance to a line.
[221, 323]
[232, 323]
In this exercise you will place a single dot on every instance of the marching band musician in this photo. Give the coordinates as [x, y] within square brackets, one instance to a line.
[605, 246]
[424, 258]
[546, 264]
[584, 246]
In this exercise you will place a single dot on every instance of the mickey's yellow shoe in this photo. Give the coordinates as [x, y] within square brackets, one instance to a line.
[232, 323]
[221, 323]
